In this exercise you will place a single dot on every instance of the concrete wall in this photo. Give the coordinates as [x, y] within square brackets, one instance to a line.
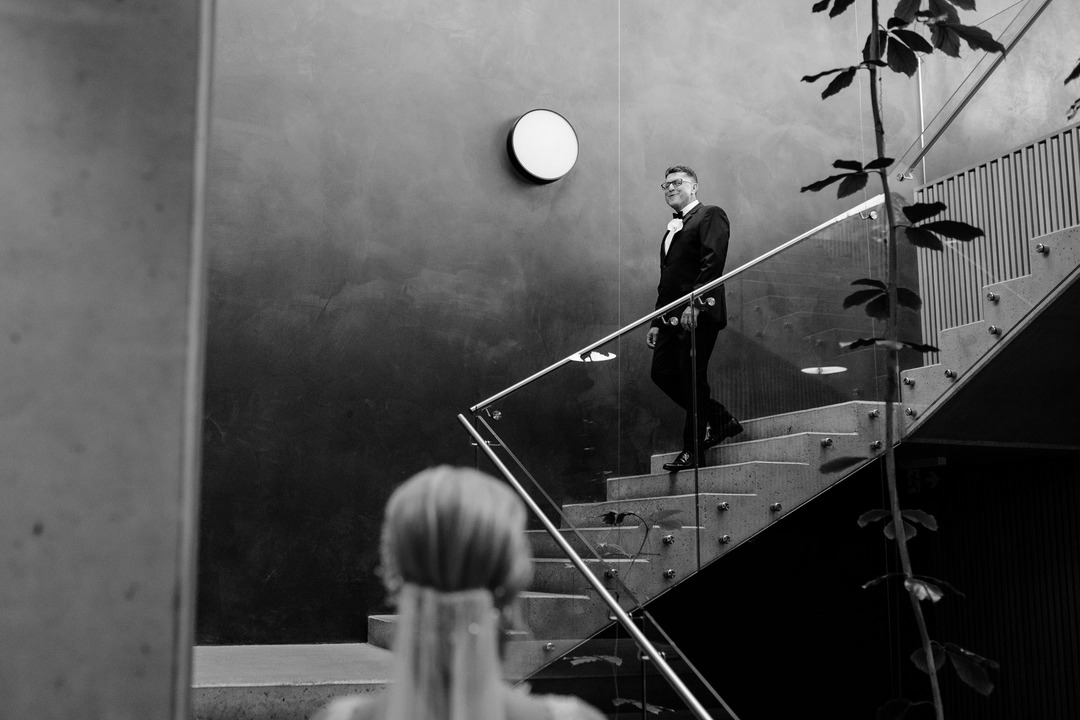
[100, 358]
[377, 267]
[1024, 99]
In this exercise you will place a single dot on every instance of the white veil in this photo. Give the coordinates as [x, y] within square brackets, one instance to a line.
[446, 656]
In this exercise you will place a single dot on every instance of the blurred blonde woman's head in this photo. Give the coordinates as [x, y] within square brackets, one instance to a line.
[454, 529]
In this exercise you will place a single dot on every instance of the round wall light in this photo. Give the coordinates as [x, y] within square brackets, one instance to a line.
[542, 145]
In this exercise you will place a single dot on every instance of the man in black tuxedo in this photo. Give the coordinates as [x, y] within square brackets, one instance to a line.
[692, 254]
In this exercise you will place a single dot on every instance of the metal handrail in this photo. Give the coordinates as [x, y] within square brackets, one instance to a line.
[924, 142]
[872, 202]
[617, 612]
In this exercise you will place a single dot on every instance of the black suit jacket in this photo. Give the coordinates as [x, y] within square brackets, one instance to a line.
[696, 256]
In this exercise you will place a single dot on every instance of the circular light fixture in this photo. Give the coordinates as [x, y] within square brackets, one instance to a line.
[826, 370]
[542, 145]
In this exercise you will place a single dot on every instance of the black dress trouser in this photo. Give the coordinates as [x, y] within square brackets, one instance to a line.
[673, 372]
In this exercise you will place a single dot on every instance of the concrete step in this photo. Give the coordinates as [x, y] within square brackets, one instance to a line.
[847, 417]
[282, 681]
[806, 447]
[745, 477]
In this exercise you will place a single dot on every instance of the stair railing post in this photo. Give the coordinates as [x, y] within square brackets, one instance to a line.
[617, 612]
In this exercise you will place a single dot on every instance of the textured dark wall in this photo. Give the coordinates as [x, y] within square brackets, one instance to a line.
[377, 267]
[1024, 99]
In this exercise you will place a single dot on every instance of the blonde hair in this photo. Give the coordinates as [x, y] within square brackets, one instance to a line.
[454, 556]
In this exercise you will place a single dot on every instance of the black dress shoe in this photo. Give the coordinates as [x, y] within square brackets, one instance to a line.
[716, 436]
[684, 461]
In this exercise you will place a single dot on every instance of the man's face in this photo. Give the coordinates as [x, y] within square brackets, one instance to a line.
[679, 195]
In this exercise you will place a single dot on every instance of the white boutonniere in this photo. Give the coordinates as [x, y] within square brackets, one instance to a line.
[675, 225]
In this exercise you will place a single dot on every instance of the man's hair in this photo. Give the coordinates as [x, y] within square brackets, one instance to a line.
[683, 169]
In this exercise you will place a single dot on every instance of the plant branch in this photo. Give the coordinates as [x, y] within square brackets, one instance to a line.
[892, 374]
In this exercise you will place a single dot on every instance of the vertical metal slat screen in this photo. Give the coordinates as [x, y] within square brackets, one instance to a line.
[1030, 191]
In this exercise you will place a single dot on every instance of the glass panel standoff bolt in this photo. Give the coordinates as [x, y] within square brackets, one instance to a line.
[725, 539]
[951, 374]
[874, 414]
[611, 573]
[910, 382]
[876, 445]
[776, 507]
[994, 330]
[549, 647]
[910, 412]
[1042, 249]
[669, 539]
[992, 297]
[723, 507]
[668, 574]
[826, 442]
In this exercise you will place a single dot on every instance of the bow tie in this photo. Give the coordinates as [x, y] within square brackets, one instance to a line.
[676, 215]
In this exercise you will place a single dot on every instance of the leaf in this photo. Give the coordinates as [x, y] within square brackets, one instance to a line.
[1073, 109]
[902, 59]
[668, 519]
[920, 347]
[878, 580]
[871, 282]
[944, 9]
[582, 659]
[613, 518]
[923, 589]
[861, 342]
[919, 657]
[822, 184]
[841, 463]
[921, 211]
[908, 298]
[883, 39]
[895, 22]
[610, 550]
[921, 238]
[945, 40]
[879, 163]
[910, 530]
[953, 229]
[852, 184]
[977, 38]
[914, 40]
[859, 297]
[878, 307]
[812, 78]
[948, 586]
[1074, 74]
[873, 516]
[970, 670]
[901, 709]
[654, 709]
[840, 82]
[964, 4]
[853, 165]
[906, 9]
[839, 7]
[925, 519]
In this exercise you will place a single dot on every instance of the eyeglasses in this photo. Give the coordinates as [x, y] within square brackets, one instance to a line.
[673, 183]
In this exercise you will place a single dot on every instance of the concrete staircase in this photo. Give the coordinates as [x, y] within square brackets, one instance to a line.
[667, 526]
[1007, 307]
